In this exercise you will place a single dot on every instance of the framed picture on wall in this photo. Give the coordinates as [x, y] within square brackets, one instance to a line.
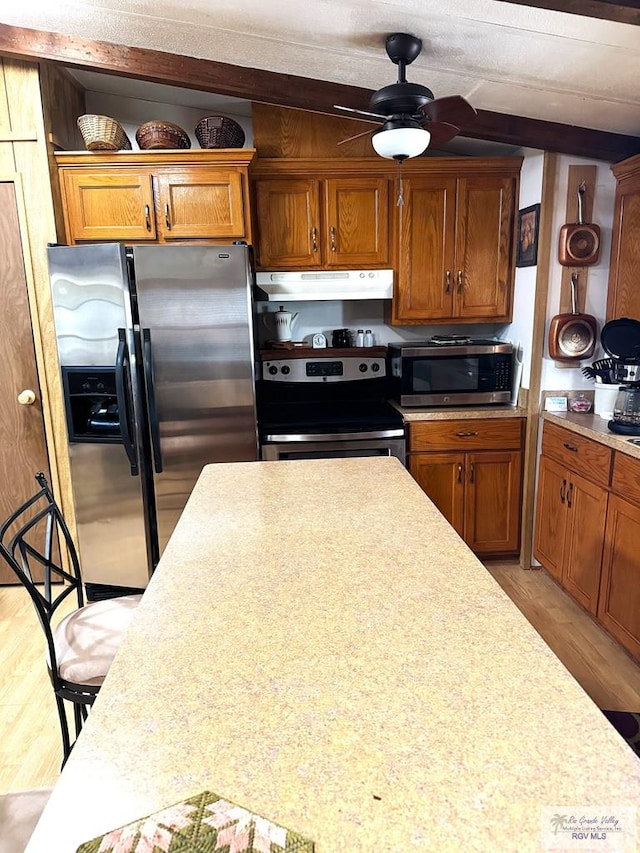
[528, 225]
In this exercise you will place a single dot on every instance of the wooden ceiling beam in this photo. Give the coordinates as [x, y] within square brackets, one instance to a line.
[606, 10]
[286, 90]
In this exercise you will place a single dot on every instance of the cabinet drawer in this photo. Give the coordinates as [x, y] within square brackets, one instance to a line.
[625, 480]
[469, 434]
[578, 453]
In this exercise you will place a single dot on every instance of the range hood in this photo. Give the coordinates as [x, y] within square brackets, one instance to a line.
[315, 285]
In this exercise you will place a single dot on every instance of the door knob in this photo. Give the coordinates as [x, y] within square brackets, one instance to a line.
[27, 397]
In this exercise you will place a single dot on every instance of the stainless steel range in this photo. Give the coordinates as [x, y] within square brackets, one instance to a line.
[327, 406]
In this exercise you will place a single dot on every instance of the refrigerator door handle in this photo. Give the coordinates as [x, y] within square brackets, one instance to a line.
[124, 402]
[149, 383]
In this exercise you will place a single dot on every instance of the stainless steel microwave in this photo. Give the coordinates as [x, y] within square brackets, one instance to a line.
[449, 372]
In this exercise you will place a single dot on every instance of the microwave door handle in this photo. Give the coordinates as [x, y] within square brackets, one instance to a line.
[124, 402]
[149, 384]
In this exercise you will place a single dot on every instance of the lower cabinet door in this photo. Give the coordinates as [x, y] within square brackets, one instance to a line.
[619, 599]
[442, 476]
[586, 510]
[493, 492]
[551, 517]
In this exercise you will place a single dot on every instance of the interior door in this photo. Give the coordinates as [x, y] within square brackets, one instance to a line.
[23, 450]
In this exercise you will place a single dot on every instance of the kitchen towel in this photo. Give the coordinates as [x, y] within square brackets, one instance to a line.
[201, 824]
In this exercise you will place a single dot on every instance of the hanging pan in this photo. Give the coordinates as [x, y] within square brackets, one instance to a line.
[572, 336]
[579, 243]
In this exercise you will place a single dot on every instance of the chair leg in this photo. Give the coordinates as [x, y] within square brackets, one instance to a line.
[64, 728]
[77, 716]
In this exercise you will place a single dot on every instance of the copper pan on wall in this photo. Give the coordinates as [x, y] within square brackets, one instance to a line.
[572, 337]
[579, 243]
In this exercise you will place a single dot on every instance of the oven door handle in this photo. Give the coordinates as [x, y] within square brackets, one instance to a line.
[286, 438]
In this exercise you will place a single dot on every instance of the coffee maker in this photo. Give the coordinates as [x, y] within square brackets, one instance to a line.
[621, 340]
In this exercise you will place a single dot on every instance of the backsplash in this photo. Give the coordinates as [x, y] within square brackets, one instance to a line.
[324, 316]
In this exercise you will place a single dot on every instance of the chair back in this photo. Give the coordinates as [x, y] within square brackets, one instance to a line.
[36, 543]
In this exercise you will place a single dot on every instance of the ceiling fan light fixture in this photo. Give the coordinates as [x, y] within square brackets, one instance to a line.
[400, 142]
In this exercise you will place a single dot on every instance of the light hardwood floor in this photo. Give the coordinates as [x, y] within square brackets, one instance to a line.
[30, 749]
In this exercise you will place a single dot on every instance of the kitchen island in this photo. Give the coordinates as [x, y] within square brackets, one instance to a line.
[319, 646]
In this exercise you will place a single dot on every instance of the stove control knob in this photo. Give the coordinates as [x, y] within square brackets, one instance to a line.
[273, 369]
[286, 369]
[363, 367]
[375, 367]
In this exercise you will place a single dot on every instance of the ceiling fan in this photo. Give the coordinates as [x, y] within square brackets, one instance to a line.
[410, 115]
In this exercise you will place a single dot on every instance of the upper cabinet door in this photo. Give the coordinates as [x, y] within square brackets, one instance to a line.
[426, 274]
[110, 204]
[288, 215]
[624, 295]
[200, 203]
[356, 222]
[484, 248]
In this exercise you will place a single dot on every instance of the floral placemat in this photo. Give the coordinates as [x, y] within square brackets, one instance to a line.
[202, 824]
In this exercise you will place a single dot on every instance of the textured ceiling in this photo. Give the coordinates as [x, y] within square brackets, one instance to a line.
[500, 56]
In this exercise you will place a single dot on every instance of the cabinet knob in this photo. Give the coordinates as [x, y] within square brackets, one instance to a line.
[167, 218]
[27, 397]
[147, 217]
[332, 236]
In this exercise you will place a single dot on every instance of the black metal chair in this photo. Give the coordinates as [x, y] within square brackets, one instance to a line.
[36, 543]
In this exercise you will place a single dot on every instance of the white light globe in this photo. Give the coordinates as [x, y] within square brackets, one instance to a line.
[400, 143]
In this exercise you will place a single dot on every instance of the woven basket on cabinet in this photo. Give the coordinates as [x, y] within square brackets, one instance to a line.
[161, 134]
[102, 133]
[219, 132]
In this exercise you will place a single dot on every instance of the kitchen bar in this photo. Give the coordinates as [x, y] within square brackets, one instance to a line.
[367, 685]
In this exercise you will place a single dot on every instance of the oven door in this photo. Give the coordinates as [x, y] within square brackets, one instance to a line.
[334, 449]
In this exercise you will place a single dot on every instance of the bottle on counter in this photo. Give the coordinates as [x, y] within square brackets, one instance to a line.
[368, 338]
[360, 338]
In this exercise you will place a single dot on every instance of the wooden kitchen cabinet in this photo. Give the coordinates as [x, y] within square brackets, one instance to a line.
[623, 298]
[305, 222]
[156, 196]
[571, 511]
[619, 602]
[456, 248]
[472, 471]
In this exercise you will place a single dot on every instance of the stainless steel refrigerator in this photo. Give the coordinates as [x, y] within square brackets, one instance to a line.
[156, 347]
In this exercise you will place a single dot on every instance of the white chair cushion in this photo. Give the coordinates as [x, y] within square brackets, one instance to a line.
[19, 814]
[87, 640]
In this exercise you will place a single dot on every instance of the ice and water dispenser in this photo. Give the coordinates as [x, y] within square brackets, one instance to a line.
[92, 404]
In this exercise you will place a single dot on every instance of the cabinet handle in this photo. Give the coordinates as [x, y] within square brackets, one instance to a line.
[472, 472]
[569, 493]
[147, 217]
[570, 447]
[167, 218]
[463, 434]
[460, 280]
[314, 238]
[447, 288]
[563, 491]
[332, 235]
[460, 470]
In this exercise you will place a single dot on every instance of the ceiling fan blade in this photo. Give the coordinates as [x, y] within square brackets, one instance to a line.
[376, 116]
[441, 132]
[452, 110]
[357, 136]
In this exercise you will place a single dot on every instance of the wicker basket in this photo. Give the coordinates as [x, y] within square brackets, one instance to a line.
[102, 133]
[161, 134]
[219, 132]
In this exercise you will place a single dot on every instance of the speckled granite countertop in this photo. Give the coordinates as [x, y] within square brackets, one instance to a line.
[460, 413]
[319, 646]
[594, 427]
